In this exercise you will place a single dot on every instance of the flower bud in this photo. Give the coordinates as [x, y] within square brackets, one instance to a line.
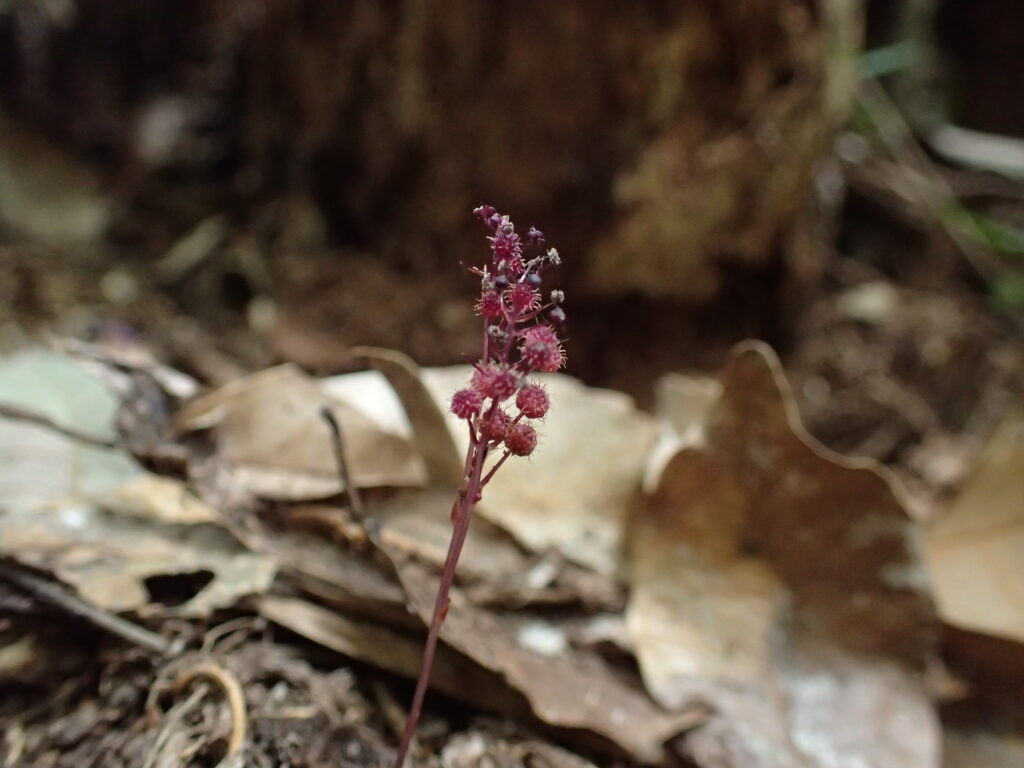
[533, 402]
[466, 403]
[494, 428]
[522, 297]
[521, 439]
[489, 305]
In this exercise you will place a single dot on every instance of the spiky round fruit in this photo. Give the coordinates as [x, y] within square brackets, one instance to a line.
[489, 305]
[521, 439]
[533, 402]
[466, 403]
[495, 427]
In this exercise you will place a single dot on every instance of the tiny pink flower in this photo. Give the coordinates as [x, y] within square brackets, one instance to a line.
[466, 403]
[517, 339]
[494, 382]
[533, 402]
[521, 440]
[522, 297]
[495, 428]
[541, 349]
[541, 332]
[489, 305]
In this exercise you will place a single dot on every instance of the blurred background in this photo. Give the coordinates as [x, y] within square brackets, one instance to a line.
[236, 183]
[248, 181]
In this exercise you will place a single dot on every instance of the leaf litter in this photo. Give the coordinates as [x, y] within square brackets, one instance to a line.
[94, 517]
[776, 605]
[778, 583]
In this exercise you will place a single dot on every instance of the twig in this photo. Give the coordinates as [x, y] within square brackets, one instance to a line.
[14, 412]
[338, 445]
[232, 693]
[53, 593]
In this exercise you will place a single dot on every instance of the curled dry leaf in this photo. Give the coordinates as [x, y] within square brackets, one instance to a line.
[93, 516]
[428, 421]
[975, 550]
[272, 440]
[767, 571]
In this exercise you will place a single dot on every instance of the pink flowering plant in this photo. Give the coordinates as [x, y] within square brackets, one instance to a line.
[520, 337]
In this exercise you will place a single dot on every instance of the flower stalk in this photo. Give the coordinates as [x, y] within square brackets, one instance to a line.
[519, 338]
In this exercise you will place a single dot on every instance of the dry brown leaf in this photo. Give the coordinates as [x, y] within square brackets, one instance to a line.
[493, 566]
[326, 568]
[271, 437]
[975, 550]
[565, 687]
[764, 566]
[573, 492]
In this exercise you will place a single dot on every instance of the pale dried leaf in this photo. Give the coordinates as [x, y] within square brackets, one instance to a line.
[40, 467]
[975, 550]
[272, 438]
[108, 557]
[573, 492]
[818, 709]
[94, 517]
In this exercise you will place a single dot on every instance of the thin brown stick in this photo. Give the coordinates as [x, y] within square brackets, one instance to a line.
[54, 594]
[8, 411]
[344, 474]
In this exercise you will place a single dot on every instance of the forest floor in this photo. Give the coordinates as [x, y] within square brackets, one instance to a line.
[897, 355]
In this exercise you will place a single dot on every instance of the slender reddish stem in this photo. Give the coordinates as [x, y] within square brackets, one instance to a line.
[489, 475]
[462, 513]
